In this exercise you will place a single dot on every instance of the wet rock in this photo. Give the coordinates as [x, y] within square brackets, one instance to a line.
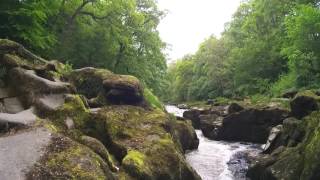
[303, 105]
[233, 108]
[291, 133]
[251, 125]
[274, 134]
[296, 162]
[210, 125]
[182, 106]
[13, 105]
[193, 115]
[186, 135]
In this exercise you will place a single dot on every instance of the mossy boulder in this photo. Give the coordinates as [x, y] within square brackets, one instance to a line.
[67, 159]
[251, 125]
[137, 136]
[102, 87]
[194, 116]
[304, 103]
[300, 162]
[186, 135]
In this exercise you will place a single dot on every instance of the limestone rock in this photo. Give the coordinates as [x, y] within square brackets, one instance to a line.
[13, 105]
[193, 115]
[25, 118]
[303, 105]
[100, 149]
[210, 125]
[233, 108]
[251, 125]
[186, 135]
[274, 134]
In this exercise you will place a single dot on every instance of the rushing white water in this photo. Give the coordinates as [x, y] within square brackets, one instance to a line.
[211, 158]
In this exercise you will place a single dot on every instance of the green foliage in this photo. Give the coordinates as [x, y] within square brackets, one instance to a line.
[285, 82]
[152, 99]
[119, 35]
[269, 45]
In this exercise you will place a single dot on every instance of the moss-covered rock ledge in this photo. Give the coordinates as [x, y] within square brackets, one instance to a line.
[93, 124]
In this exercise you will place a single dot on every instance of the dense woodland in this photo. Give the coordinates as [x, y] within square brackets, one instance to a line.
[119, 35]
[269, 47]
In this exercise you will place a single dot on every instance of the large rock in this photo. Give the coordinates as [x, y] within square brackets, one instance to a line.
[210, 125]
[142, 140]
[300, 162]
[233, 108]
[13, 105]
[64, 139]
[123, 89]
[67, 159]
[274, 134]
[251, 125]
[102, 87]
[302, 105]
[193, 115]
[186, 135]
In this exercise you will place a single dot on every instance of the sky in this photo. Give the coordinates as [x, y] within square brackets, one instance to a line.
[190, 22]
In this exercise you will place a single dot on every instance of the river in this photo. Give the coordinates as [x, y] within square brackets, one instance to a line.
[218, 160]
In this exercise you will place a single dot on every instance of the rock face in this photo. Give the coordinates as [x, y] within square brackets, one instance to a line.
[84, 124]
[251, 125]
[294, 151]
[210, 125]
[303, 105]
[233, 108]
[193, 115]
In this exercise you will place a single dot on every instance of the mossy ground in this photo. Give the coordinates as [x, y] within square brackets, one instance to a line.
[66, 159]
[303, 161]
[144, 134]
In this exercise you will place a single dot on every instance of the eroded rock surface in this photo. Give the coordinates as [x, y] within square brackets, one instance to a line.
[84, 124]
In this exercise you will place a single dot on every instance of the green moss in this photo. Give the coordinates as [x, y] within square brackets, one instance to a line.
[310, 93]
[69, 160]
[152, 99]
[136, 158]
[303, 161]
[151, 149]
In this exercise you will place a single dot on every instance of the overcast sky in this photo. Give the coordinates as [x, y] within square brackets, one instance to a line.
[189, 22]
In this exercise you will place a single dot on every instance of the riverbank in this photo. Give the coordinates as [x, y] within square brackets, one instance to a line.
[288, 126]
[219, 160]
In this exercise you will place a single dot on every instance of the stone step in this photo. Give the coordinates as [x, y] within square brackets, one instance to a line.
[13, 105]
[25, 118]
